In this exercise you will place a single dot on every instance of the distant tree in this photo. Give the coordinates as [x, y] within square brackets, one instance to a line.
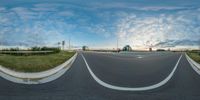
[54, 49]
[160, 50]
[14, 49]
[35, 48]
[84, 48]
[127, 48]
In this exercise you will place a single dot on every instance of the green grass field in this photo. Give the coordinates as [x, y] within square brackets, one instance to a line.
[34, 63]
[195, 56]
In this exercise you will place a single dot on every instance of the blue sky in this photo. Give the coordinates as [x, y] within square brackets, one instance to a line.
[98, 24]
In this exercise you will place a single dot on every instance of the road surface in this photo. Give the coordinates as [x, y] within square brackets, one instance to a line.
[132, 70]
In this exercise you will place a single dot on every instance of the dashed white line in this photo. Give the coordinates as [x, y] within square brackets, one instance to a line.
[130, 88]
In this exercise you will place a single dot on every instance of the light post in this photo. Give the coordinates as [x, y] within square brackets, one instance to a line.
[199, 47]
[63, 45]
[117, 43]
[69, 43]
[1, 41]
[0, 45]
[59, 44]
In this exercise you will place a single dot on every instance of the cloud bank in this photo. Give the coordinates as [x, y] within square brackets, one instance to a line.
[100, 24]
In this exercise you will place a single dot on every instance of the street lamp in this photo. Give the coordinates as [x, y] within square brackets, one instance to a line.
[59, 44]
[63, 44]
[69, 43]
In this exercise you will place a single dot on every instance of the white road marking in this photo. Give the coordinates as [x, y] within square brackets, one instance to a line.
[130, 88]
[139, 57]
[194, 65]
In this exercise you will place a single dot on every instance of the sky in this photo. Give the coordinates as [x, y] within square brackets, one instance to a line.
[100, 24]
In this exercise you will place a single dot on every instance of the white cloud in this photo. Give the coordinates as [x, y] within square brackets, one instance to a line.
[141, 31]
[101, 30]
[146, 31]
[157, 8]
[40, 9]
[24, 13]
[66, 13]
[49, 23]
[3, 20]
[47, 5]
[2, 9]
[35, 34]
[133, 6]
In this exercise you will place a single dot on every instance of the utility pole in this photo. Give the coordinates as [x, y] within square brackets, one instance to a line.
[199, 46]
[37, 39]
[150, 47]
[199, 43]
[59, 45]
[117, 43]
[63, 45]
[0, 45]
[69, 43]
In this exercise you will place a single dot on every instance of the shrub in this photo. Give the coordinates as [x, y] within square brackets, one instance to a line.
[5, 50]
[54, 49]
[11, 49]
[35, 49]
[45, 49]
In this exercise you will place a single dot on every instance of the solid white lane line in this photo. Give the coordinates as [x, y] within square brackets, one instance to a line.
[130, 88]
[195, 66]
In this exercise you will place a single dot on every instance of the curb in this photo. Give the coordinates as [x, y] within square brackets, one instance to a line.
[195, 65]
[36, 77]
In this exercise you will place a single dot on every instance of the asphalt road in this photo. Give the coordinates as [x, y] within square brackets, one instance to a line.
[126, 70]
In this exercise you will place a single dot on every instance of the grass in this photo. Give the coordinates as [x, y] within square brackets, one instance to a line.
[195, 56]
[34, 63]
